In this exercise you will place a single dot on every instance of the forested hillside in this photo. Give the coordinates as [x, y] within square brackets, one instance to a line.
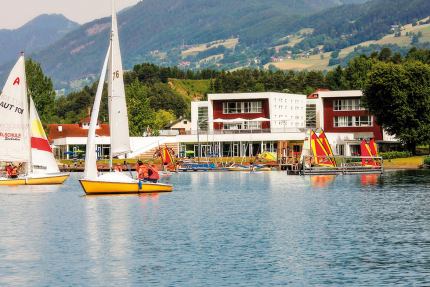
[164, 25]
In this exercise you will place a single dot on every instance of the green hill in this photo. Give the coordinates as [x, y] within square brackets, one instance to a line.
[164, 25]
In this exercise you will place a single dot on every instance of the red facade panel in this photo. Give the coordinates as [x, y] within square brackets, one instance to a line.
[219, 113]
[330, 113]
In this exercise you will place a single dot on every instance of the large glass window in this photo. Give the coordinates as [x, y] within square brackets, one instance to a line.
[347, 105]
[242, 107]
[203, 118]
[363, 121]
[252, 125]
[232, 108]
[343, 121]
[353, 121]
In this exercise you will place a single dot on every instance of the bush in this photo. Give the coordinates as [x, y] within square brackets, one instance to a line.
[395, 154]
[427, 160]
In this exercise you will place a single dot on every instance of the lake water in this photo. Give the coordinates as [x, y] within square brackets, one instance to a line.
[222, 229]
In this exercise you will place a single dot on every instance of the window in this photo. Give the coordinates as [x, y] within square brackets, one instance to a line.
[353, 121]
[231, 108]
[347, 105]
[242, 107]
[185, 122]
[252, 125]
[341, 149]
[345, 121]
[363, 121]
[233, 126]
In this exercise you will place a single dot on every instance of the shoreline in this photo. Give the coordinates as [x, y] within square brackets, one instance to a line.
[402, 167]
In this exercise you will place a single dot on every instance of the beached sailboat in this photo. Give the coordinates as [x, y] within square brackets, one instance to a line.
[113, 182]
[22, 138]
[366, 154]
[167, 162]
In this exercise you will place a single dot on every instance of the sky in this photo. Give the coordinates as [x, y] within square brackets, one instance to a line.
[15, 13]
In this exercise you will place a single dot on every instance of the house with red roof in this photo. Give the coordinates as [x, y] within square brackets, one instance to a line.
[71, 137]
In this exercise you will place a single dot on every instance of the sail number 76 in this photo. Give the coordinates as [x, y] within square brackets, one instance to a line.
[115, 75]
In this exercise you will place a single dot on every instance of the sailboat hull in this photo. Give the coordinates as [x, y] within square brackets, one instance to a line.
[35, 180]
[51, 179]
[12, 181]
[103, 187]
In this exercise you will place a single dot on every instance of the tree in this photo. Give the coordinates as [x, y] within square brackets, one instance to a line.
[334, 54]
[40, 88]
[399, 97]
[163, 118]
[140, 113]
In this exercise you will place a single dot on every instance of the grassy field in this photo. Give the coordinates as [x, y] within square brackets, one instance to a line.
[408, 161]
[230, 43]
[315, 62]
[194, 89]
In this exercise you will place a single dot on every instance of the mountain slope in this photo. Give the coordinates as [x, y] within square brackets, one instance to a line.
[33, 36]
[165, 24]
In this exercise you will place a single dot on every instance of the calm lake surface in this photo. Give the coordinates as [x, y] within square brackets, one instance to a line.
[222, 229]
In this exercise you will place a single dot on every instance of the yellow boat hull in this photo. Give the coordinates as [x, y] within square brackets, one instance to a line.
[92, 187]
[59, 179]
[13, 181]
[55, 179]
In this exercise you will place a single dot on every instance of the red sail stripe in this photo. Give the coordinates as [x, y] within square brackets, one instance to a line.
[40, 144]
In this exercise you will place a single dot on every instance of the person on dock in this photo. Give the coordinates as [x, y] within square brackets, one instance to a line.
[251, 165]
[153, 175]
[118, 167]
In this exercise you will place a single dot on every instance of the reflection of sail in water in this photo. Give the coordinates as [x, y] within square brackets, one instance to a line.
[322, 180]
[108, 229]
[370, 178]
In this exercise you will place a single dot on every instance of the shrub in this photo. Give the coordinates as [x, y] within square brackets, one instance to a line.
[395, 154]
[427, 160]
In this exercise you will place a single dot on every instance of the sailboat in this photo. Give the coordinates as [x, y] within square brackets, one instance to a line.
[113, 182]
[22, 138]
[167, 162]
[367, 155]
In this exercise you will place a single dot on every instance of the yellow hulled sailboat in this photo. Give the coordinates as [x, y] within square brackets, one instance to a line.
[22, 138]
[113, 182]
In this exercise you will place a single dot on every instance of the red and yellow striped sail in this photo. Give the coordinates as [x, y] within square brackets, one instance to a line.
[166, 157]
[319, 151]
[365, 152]
[326, 145]
[373, 149]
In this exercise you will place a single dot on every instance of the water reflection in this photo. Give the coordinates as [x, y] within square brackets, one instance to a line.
[222, 229]
[370, 178]
[322, 180]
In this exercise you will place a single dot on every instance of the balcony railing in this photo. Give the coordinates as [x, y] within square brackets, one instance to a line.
[242, 131]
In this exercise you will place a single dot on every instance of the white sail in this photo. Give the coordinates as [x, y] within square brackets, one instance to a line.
[306, 148]
[42, 159]
[118, 118]
[14, 135]
[90, 171]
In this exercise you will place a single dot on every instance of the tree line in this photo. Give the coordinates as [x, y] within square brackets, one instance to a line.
[396, 90]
